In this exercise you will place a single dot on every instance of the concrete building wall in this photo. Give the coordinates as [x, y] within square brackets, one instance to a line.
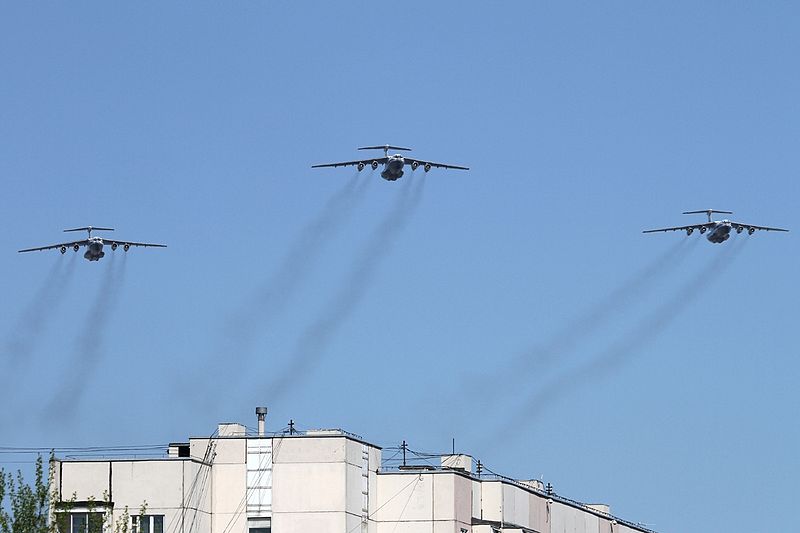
[84, 480]
[438, 502]
[567, 519]
[228, 484]
[405, 503]
[477, 498]
[452, 498]
[165, 486]
[318, 483]
[514, 506]
[491, 505]
[159, 483]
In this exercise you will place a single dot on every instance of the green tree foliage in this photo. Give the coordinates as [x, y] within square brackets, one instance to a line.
[24, 508]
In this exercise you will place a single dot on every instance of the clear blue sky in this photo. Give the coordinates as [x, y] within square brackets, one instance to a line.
[195, 124]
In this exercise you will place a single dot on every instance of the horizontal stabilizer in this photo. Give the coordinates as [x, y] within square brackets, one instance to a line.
[385, 147]
[90, 229]
[704, 211]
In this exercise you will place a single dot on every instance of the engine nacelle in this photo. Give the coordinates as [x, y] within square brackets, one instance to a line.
[739, 229]
[427, 167]
[703, 229]
[750, 231]
[126, 247]
[63, 249]
[414, 165]
[76, 247]
[114, 245]
[361, 166]
[689, 231]
[374, 165]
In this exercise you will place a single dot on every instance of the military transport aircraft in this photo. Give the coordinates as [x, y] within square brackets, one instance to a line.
[719, 230]
[392, 165]
[94, 245]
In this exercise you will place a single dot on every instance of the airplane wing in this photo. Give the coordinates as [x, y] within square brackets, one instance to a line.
[422, 163]
[682, 228]
[54, 246]
[365, 162]
[738, 225]
[118, 242]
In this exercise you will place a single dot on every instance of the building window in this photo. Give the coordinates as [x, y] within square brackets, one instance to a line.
[79, 522]
[147, 524]
[259, 525]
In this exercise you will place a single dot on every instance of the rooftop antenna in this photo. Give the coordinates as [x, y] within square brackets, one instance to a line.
[291, 426]
[404, 446]
[707, 212]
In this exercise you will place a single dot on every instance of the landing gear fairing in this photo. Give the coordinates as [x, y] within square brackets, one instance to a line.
[392, 164]
[94, 245]
[718, 230]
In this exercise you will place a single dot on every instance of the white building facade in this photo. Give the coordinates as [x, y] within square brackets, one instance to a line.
[315, 481]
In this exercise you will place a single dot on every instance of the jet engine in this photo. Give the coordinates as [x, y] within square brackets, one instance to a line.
[126, 247]
[76, 247]
[361, 167]
[703, 229]
[374, 165]
[739, 229]
[689, 231]
[750, 231]
[63, 249]
[414, 165]
[427, 167]
[114, 245]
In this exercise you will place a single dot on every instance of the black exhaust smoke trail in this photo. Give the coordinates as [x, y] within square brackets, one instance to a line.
[540, 359]
[625, 348]
[315, 338]
[30, 328]
[272, 298]
[89, 346]
[34, 320]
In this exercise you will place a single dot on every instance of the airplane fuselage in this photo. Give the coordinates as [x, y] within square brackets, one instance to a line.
[719, 233]
[393, 169]
[94, 250]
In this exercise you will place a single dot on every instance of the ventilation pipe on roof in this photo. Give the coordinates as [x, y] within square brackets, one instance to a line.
[261, 412]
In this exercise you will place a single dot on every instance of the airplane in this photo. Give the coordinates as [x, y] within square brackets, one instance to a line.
[392, 165]
[94, 245]
[718, 230]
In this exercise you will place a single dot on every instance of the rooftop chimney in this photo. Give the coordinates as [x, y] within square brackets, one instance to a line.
[261, 412]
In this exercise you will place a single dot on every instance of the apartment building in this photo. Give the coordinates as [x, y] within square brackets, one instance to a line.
[313, 481]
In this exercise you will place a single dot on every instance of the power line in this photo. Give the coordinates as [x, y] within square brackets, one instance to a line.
[67, 449]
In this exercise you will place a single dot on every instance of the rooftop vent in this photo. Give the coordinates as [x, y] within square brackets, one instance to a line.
[323, 432]
[178, 449]
[533, 483]
[261, 413]
[457, 462]
[600, 507]
[231, 430]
